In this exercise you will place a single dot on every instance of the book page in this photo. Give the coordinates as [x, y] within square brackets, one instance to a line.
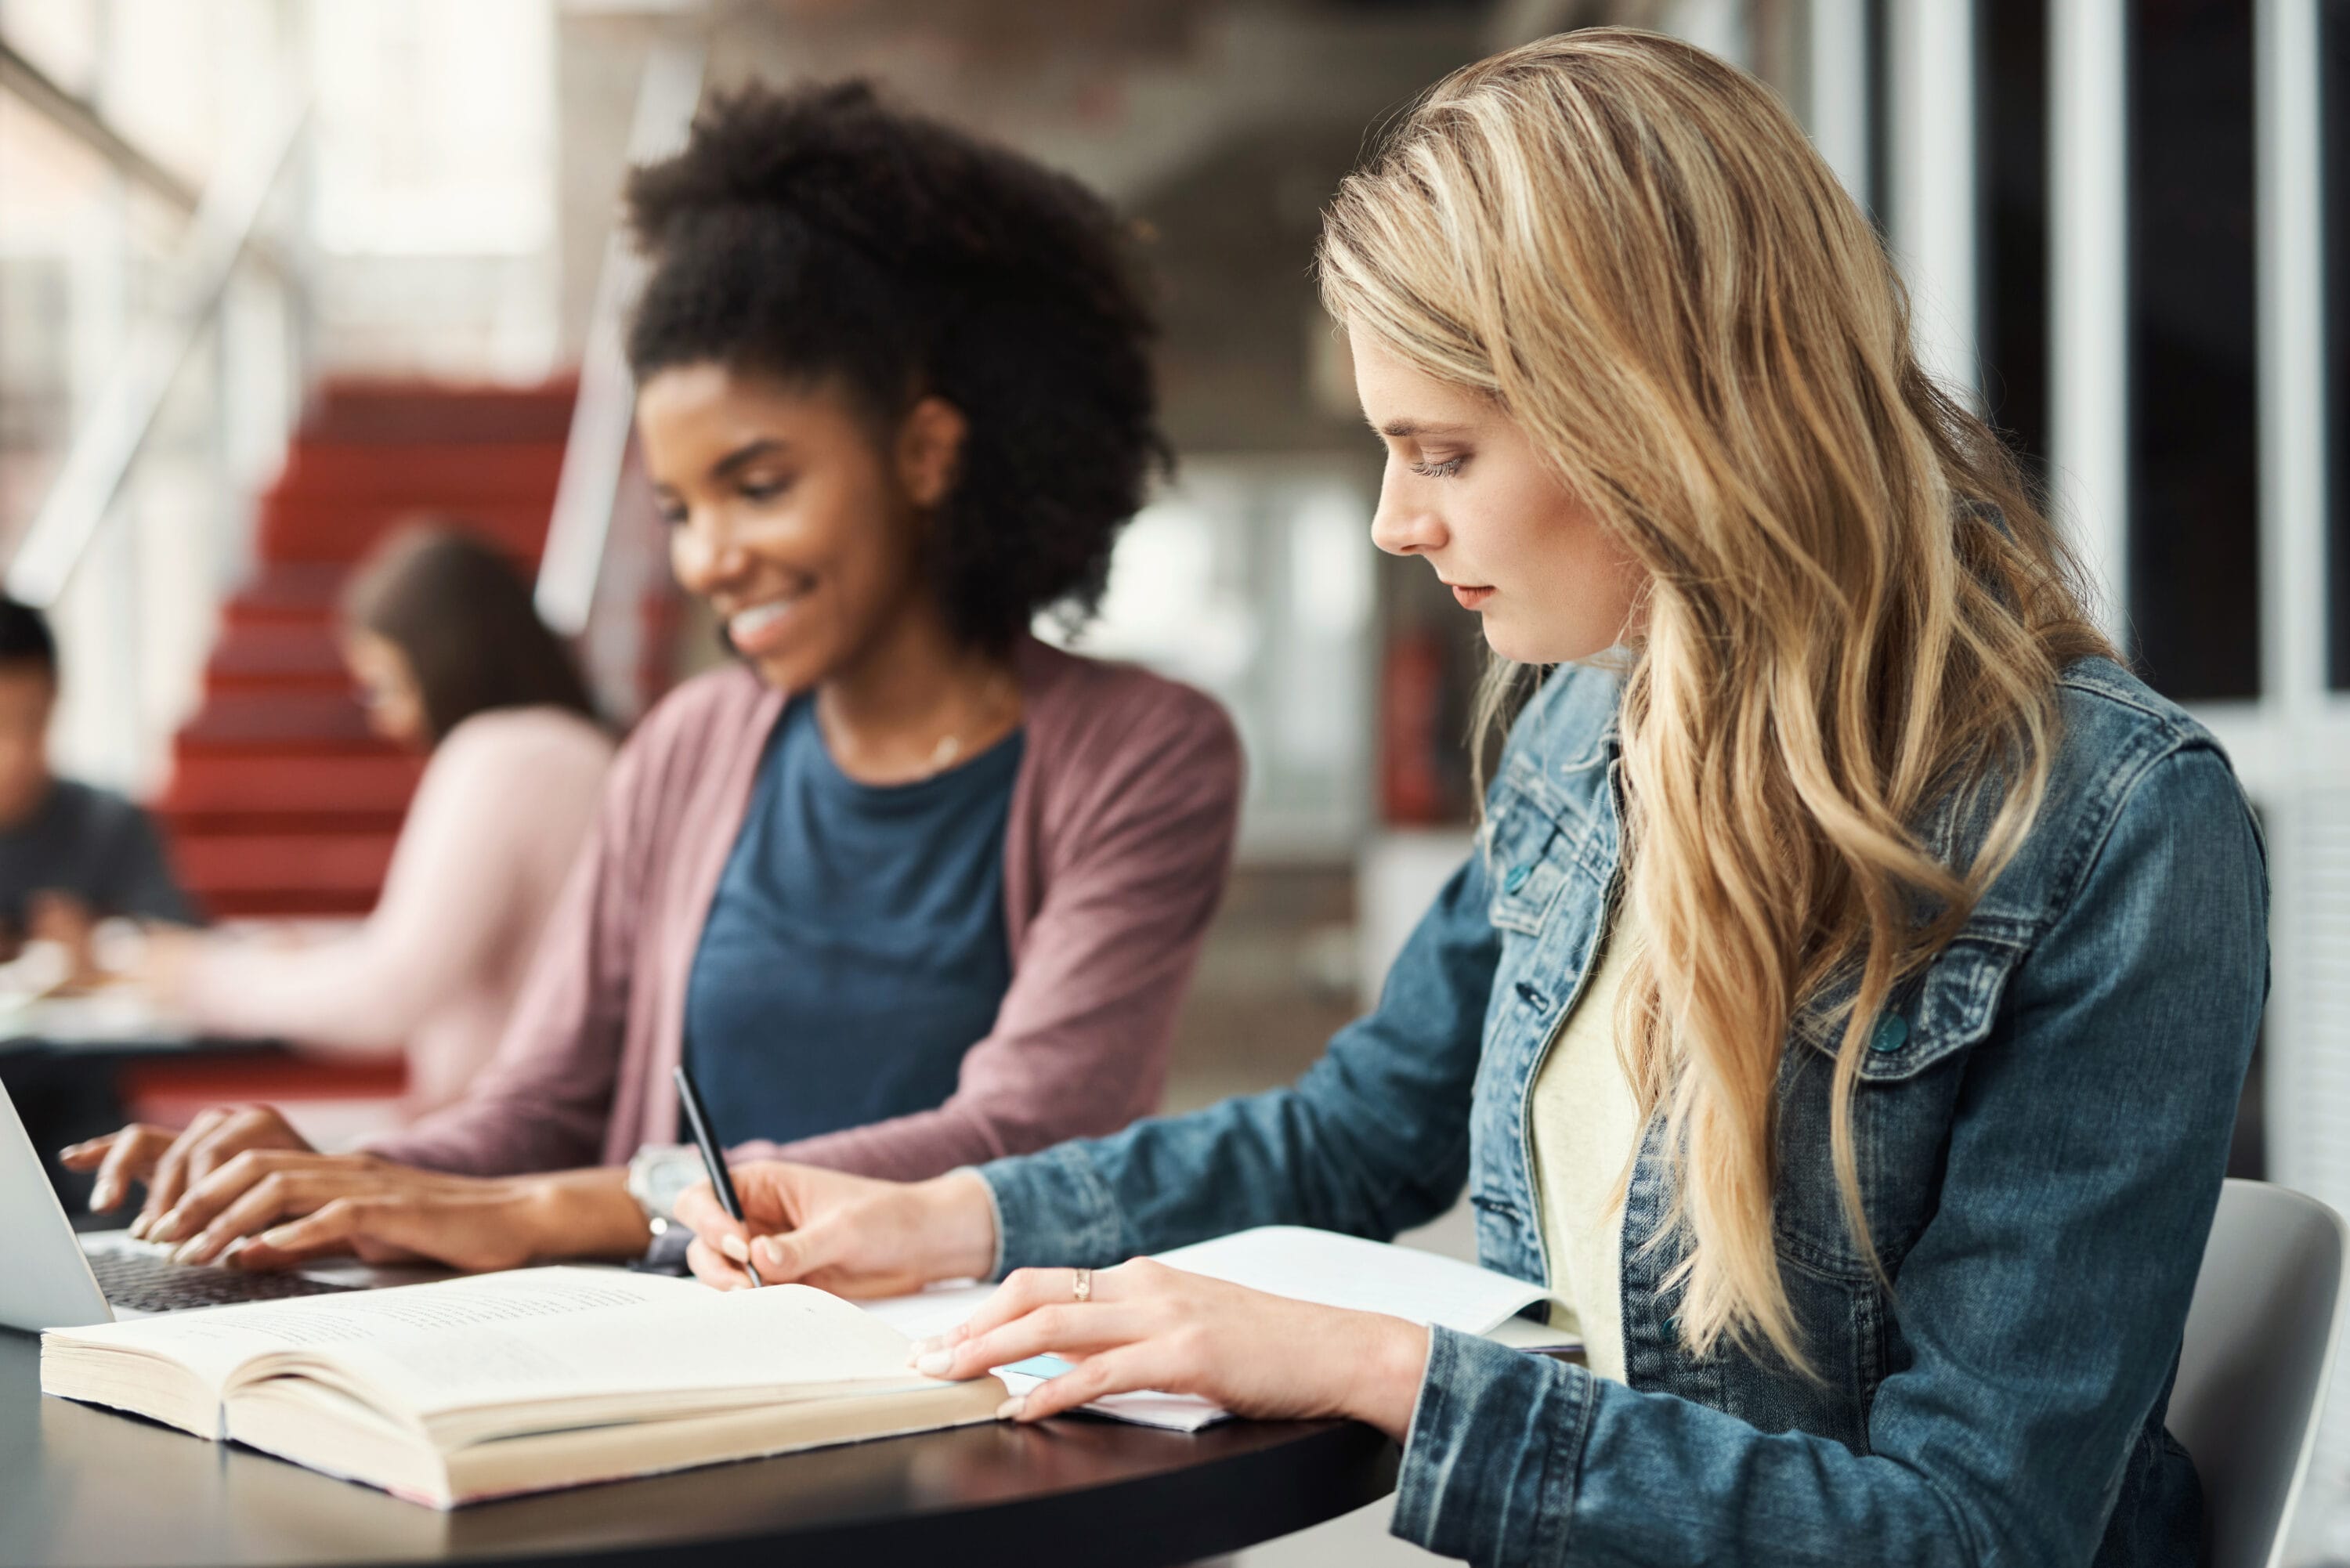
[1293, 1261]
[928, 1314]
[737, 1347]
[214, 1342]
[1331, 1270]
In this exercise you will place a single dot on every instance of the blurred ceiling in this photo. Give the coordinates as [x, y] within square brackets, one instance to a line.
[1221, 125]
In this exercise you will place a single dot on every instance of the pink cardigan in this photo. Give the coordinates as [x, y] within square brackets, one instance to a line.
[505, 802]
[1120, 837]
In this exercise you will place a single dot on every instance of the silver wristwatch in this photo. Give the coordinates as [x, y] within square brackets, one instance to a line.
[658, 1174]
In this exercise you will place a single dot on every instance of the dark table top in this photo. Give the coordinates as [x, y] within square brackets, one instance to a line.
[86, 1485]
[108, 1050]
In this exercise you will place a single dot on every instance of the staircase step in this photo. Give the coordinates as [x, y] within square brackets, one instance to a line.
[314, 530]
[405, 412]
[279, 649]
[210, 786]
[296, 718]
[288, 592]
[273, 653]
[210, 865]
[309, 819]
[421, 475]
[216, 683]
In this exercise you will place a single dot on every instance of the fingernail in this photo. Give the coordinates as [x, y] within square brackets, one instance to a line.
[101, 1198]
[167, 1228]
[193, 1249]
[921, 1348]
[139, 1228]
[733, 1247]
[1010, 1409]
[769, 1254]
[934, 1363]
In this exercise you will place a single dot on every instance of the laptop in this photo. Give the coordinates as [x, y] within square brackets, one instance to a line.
[51, 1277]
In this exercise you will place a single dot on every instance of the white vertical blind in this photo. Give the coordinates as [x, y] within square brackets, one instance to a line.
[2088, 290]
[1935, 221]
[2293, 623]
[2307, 1056]
[1837, 45]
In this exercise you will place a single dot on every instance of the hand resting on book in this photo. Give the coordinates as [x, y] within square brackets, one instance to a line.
[1148, 1326]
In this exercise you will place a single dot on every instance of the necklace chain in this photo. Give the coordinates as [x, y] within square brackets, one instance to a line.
[948, 750]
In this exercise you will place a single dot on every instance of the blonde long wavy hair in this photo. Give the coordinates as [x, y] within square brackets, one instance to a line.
[1855, 612]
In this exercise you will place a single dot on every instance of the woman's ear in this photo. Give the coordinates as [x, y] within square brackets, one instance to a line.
[929, 449]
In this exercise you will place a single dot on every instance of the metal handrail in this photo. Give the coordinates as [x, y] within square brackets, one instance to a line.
[597, 449]
[80, 119]
[86, 123]
[116, 430]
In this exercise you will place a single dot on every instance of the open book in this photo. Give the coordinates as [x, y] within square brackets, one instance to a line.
[464, 1389]
[1319, 1266]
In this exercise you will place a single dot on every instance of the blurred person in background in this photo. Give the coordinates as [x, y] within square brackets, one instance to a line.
[70, 854]
[907, 887]
[450, 658]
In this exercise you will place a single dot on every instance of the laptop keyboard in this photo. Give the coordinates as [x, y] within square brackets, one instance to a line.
[149, 1282]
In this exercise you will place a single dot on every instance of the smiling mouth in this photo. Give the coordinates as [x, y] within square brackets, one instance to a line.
[757, 629]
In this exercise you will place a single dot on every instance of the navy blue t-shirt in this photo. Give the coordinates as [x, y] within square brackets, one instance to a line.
[855, 947]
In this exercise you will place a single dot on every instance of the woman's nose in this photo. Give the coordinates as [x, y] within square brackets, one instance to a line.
[1402, 527]
[704, 556]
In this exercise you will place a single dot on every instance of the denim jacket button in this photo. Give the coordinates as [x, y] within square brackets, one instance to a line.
[1892, 1032]
[1516, 877]
[1673, 1326]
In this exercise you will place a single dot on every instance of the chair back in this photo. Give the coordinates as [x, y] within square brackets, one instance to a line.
[2252, 1370]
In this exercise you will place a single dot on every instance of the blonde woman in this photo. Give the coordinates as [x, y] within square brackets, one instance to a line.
[1846, 1004]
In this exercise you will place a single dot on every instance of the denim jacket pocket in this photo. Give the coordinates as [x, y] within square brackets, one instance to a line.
[1951, 1007]
[1907, 1093]
[1526, 859]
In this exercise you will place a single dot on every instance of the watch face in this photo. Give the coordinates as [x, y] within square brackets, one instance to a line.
[658, 1177]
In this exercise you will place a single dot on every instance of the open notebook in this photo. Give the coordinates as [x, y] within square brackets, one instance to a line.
[1318, 1266]
[464, 1389]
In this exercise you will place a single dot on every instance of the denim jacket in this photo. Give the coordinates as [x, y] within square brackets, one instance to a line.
[2042, 1122]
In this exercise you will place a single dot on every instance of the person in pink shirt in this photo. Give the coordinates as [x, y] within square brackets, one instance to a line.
[450, 658]
[907, 887]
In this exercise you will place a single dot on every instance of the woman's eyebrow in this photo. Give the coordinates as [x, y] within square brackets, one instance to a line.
[744, 455]
[1413, 430]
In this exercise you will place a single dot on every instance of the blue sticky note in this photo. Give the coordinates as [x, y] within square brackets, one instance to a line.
[1038, 1366]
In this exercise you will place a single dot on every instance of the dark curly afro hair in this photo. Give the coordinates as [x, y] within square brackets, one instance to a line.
[816, 235]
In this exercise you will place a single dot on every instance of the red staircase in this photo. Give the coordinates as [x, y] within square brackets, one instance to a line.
[280, 802]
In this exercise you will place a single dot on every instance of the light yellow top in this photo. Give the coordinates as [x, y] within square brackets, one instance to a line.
[1585, 1125]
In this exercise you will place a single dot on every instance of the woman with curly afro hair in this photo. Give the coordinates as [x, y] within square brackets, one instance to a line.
[903, 888]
